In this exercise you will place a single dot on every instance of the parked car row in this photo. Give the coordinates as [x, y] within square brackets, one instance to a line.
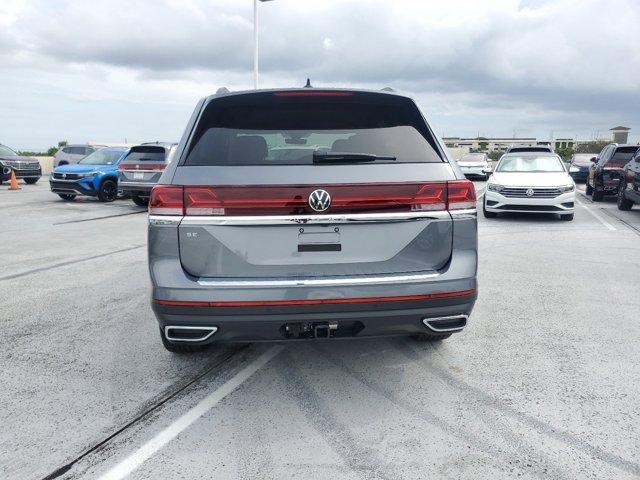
[108, 170]
[612, 172]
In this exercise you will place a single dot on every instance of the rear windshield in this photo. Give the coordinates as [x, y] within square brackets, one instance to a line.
[529, 149]
[146, 154]
[265, 129]
[622, 155]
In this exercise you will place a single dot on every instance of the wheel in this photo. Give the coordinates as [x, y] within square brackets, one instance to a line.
[179, 347]
[31, 181]
[597, 195]
[486, 213]
[66, 196]
[568, 217]
[108, 191]
[623, 202]
[140, 201]
[430, 337]
[588, 189]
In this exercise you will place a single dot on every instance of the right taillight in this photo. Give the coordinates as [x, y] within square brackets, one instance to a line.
[461, 194]
[166, 200]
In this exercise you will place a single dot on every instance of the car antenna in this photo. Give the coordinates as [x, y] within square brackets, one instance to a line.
[308, 85]
[388, 89]
[222, 90]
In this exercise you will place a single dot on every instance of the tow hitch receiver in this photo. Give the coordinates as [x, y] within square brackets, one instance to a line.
[310, 330]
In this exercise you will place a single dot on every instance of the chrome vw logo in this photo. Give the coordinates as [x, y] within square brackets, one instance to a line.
[319, 200]
[529, 192]
[64, 175]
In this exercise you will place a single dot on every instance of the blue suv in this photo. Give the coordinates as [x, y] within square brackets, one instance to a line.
[95, 175]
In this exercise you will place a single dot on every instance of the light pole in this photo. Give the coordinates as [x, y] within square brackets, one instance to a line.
[255, 42]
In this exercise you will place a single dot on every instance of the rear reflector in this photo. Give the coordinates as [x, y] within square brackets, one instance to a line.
[257, 200]
[314, 301]
[166, 200]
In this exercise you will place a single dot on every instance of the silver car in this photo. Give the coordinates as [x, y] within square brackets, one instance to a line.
[72, 154]
[310, 214]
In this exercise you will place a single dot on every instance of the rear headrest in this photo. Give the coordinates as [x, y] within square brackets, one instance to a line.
[248, 149]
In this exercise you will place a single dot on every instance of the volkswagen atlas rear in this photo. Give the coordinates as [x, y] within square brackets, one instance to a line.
[310, 214]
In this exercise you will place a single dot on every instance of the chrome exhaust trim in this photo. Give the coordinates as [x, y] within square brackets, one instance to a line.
[207, 332]
[452, 323]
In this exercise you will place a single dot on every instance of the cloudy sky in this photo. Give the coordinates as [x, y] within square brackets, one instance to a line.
[106, 70]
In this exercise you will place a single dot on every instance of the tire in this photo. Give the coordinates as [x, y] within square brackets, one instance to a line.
[31, 181]
[486, 213]
[179, 347]
[430, 337]
[588, 189]
[67, 196]
[568, 217]
[623, 203]
[108, 191]
[597, 195]
[140, 201]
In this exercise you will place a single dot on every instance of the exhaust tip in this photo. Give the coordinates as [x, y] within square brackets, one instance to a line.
[178, 333]
[453, 323]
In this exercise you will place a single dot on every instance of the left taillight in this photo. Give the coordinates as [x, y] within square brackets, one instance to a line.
[461, 194]
[166, 200]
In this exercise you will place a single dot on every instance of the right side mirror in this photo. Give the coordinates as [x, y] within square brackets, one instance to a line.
[594, 159]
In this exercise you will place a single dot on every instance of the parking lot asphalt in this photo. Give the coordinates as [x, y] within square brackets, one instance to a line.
[543, 383]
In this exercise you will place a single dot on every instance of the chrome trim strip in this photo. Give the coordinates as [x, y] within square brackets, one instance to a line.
[451, 317]
[466, 213]
[315, 219]
[135, 184]
[320, 282]
[211, 330]
[164, 220]
[52, 179]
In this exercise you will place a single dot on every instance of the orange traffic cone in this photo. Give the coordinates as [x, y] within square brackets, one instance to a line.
[14, 181]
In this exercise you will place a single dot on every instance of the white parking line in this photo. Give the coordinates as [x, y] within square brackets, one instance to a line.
[146, 451]
[596, 216]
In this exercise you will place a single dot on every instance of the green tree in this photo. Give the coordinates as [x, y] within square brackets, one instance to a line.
[592, 147]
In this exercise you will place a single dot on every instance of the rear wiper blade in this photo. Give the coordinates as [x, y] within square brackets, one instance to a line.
[347, 157]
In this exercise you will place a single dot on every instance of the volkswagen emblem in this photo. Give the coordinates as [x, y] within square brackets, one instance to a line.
[137, 167]
[529, 192]
[64, 175]
[319, 200]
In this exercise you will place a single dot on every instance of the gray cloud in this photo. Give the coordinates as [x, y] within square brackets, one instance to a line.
[570, 60]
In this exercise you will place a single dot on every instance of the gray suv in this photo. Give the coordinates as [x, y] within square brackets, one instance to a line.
[72, 154]
[309, 214]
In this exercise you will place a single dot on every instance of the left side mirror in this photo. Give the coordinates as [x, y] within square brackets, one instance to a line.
[594, 159]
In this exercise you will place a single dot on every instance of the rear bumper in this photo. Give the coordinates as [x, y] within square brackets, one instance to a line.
[495, 202]
[136, 188]
[374, 319]
[257, 309]
[473, 171]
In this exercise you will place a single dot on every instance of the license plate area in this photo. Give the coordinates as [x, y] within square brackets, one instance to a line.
[319, 241]
[138, 175]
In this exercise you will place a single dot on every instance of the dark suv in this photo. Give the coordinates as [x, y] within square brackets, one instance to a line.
[629, 190]
[606, 170]
[27, 168]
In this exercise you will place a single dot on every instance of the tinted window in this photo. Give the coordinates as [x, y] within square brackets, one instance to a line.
[146, 154]
[102, 157]
[266, 129]
[622, 155]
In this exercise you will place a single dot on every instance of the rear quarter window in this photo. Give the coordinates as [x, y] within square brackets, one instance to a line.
[265, 129]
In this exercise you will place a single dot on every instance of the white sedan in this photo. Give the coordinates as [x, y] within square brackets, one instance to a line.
[533, 182]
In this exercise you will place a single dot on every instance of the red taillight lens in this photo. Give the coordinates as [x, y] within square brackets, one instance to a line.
[461, 194]
[294, 200]
[166, 200]
[313, 93]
